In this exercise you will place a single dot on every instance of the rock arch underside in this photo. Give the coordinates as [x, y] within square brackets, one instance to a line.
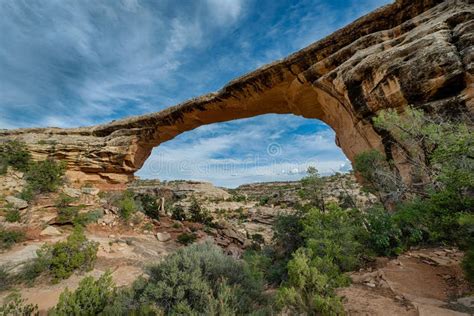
[412, 52]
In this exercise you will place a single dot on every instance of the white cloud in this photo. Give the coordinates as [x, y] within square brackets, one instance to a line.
[225, 11]
[240, 153]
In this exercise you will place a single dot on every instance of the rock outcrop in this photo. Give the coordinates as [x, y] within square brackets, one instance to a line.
[408, 53]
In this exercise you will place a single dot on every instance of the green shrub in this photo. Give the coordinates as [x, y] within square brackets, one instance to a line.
[313, 189]
[127, 208]
[309, 290]
[186, 238]
[333, 234]
[383, 235]
[9, 237]
[5, 278]
[90, 298]
[27, 194]
[83, 219]
[198, 214]
[14, 154]
[201, 280]
[76, 253]
[263, 200]
[127, 204]
[15, 305]
[178, 213]
[64, 200]
[63, 258]
[468, 265]
[33, 268]
[67, 215]
[239, 198]
[45, 176]
[287, 238]
[150, 206]
[12, 215]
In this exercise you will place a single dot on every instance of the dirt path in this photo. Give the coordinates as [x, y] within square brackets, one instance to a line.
[422, 282]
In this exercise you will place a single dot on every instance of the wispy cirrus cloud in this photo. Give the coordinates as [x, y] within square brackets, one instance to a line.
[91, 60]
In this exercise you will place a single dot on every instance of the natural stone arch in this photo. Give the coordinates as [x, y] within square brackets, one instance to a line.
[410, 52]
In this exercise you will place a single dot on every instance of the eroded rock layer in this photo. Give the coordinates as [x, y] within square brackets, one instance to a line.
[409, 53]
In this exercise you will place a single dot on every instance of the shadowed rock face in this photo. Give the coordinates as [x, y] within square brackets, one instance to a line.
[409, 53]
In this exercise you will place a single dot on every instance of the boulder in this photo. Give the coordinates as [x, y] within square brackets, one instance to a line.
[163, 237]
[16, 202]
[71, 192]
[467, 301]
[50, 231]
[90, 191]
[107, 219]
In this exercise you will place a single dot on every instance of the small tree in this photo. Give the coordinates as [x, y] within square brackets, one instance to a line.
[310, 291]
[90, 298]
[14, 154]
[45, 176]
[313, 188]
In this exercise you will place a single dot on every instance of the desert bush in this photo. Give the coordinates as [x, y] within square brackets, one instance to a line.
[468, 265]
[186, 238]
[67, 215]
[12, 215]
[127, 205]
[76, 253]
[27, 194]
[263, 200]
[9, 237]
[13, 304]
[34, 268]
[239, 198]
[313, 189]
[383, 235]
[60, 260]
[201, 280]
[150, 206]
[45, 176]
[198, 214]
[83, 219]
[64, 200]
[287, 238]
[333, 234]
[92, 297]
[378, 177]
[310, 286]
[178, 213]
[14, 154]
[5, 278]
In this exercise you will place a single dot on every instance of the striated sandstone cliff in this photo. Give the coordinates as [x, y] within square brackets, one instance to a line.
[411, 52]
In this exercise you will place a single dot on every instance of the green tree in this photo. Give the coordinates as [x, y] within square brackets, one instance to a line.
[90, 298]
[313, 188]
[45, 176]
[310, 291]
[201, 280]
[14, 154]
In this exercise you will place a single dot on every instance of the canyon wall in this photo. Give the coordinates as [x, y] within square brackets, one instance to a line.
[417, 53]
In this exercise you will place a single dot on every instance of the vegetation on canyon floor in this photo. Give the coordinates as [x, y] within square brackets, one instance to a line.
[312, 248]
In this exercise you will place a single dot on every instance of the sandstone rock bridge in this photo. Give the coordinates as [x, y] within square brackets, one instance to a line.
[412, 52]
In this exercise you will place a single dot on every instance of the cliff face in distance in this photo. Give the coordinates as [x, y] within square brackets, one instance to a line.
[409, 53]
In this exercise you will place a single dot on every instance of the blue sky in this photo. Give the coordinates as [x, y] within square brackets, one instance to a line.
[73, 63]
